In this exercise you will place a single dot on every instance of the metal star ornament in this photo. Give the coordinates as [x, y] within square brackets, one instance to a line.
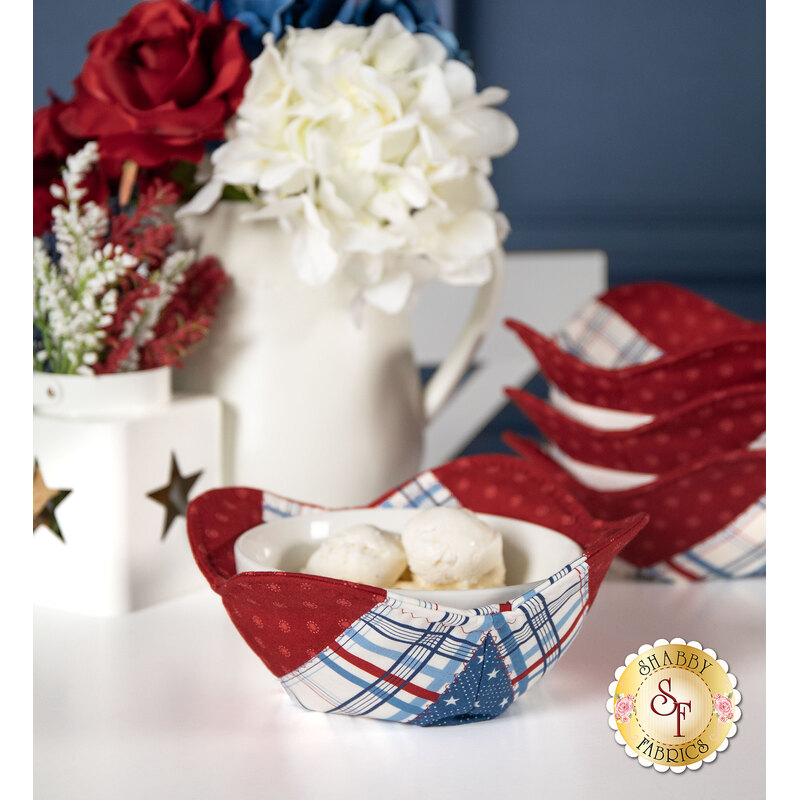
[45, 502]
[174, 496]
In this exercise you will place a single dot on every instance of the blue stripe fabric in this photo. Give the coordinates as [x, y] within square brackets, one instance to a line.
[378, 666]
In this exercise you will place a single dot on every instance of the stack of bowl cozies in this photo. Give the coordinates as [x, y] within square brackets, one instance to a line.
[657, 403]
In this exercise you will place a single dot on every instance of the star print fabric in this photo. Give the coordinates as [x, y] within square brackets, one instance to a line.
[482, 691]
[341, 647]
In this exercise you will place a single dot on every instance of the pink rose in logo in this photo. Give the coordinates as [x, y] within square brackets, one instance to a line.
[624, 707]
[723, 707]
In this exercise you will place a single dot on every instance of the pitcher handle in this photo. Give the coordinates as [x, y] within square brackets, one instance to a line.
[443, 382]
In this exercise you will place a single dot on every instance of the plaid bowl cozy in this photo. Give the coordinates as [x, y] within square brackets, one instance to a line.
[347, 648]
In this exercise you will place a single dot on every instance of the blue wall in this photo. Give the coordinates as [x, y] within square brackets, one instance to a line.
[641, 126]
[61, 31]
[642, 131]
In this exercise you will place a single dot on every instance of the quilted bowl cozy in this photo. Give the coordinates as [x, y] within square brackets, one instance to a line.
[347, 648]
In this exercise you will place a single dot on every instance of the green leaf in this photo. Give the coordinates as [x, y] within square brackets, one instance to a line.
[183, 173]
[233, 193]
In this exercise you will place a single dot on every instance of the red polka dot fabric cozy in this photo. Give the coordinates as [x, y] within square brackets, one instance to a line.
[658, 404]
[655, 386]
[716, 423]
[348, 648]
[675, 319]
[648, 347]
[707, 519]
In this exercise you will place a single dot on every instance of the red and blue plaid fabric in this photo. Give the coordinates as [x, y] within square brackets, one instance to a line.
[598, 335]
[276, 507]
[339, 647]
[397, 661]
[737, 551]
[424, 491]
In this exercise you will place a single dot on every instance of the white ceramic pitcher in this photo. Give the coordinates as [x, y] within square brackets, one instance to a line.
[316, 408]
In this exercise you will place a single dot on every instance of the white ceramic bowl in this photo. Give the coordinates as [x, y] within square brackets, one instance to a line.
[531, 553]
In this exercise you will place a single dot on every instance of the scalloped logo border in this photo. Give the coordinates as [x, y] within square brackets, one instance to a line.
[645, 762]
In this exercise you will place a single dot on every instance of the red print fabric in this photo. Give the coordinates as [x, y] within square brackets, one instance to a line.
[287, 618]
[686, 506]
[730, 419]
[658, 385]
[509, 487]
[676, 319]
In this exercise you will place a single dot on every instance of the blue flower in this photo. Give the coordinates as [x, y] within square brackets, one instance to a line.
[261, 16]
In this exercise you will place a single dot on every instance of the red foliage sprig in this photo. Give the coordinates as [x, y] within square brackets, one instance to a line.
[144, 233]
[132, 290]
[185, 320]
[188, 315]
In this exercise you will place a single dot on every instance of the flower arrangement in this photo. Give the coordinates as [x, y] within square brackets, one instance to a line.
[260, 17]
[373, 149]
[110, 293]
[358, 130]
[154, 91]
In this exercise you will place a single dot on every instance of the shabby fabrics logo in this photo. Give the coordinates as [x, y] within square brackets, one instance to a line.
[673, 705]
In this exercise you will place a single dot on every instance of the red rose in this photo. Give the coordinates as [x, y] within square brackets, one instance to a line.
[51, 146]
[159, 84]
[50, 140]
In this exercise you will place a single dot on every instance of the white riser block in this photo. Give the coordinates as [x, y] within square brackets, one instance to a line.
[113, 559]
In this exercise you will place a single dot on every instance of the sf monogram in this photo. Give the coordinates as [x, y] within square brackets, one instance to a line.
[673, 705]
[678, 708]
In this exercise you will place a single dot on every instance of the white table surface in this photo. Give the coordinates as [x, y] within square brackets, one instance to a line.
[169, 702]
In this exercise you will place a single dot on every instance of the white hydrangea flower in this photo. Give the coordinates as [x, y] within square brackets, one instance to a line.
[374, 150]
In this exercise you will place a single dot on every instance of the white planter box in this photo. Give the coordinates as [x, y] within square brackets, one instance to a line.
[110, 440]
